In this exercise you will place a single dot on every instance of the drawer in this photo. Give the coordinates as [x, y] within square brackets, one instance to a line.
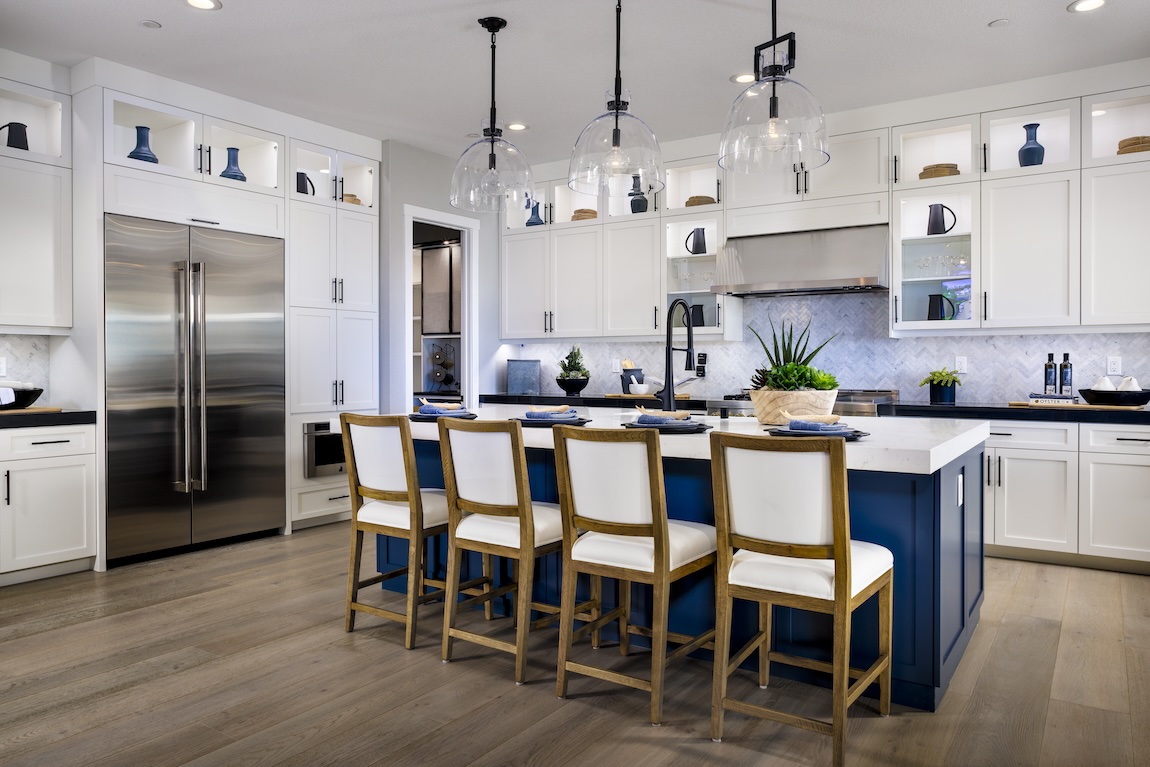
[321, 502]
[1034, 435]
[1115, 438]
[46, 441]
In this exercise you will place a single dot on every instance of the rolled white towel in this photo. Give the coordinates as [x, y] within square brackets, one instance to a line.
[17, 385]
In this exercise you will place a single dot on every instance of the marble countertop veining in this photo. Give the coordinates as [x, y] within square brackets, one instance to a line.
[901, 445]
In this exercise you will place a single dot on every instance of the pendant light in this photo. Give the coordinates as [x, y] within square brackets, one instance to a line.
[491, 172]
[616, 147]
[775, 125]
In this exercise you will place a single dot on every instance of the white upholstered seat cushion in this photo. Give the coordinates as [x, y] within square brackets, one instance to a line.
[809, 577]
[396, 514]
[504, 531]
[687, 541]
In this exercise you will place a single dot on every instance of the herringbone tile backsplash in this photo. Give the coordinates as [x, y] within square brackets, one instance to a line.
[863, 356]
[27, 358]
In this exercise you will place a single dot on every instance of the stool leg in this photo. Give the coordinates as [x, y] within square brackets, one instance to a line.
[624, 599]
[353, 576]
[451, 594]
[885, 597]
[489, 605]
[566, 625]
[596, 607]
[525, 572]
[840, 683]
[765, 614]
[724, 607]
[414, 585]
[659, 646]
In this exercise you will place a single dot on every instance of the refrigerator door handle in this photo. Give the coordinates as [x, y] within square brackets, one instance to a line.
[184, 281]
[200, 321]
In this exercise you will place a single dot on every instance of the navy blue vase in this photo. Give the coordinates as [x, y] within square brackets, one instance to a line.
[534, 220]
[142, 151]
[1031, 153]
[233, 170]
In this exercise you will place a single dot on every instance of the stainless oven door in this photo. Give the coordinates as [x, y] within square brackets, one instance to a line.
[322, 451]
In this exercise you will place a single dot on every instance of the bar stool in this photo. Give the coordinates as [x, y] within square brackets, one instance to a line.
[386, 500]
[784, 536]
[490, 511]
[615, 524]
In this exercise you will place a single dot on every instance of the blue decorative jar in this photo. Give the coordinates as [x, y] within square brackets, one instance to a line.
[233, 170]
[534, 220]
[143, 151]
[1031, 153]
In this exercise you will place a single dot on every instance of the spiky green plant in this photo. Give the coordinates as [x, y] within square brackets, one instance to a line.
[572, 365]
[789, 367]
[942, 377]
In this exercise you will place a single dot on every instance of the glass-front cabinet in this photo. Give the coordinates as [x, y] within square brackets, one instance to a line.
[555, 203]
[692, 186]
[936, 258]
[329, 177]
[36, 124]
[691, 247]
[1116, 127]
[1040, 138]
[937, 152]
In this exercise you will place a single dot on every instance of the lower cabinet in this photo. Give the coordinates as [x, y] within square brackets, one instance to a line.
[48, 511]
[1114, 492]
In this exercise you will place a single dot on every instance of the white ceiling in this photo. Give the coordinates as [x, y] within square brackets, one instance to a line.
[418, 70]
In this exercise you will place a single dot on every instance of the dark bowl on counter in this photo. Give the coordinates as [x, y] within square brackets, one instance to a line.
[1126, 398]
[24, 398]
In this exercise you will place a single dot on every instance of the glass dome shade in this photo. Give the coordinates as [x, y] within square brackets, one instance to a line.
[477, 187]
[793, 138]
[598, 166]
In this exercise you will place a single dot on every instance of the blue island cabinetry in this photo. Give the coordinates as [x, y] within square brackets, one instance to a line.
[931, 522]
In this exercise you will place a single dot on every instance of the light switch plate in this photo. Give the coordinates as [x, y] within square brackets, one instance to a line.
[960, 364]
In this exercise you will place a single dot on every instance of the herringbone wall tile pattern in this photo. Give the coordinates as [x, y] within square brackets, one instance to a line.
[27, 361]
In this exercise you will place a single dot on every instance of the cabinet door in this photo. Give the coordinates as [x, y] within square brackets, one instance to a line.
[632, 282]
[523, 296]
[36, 257]
[312, 173]
[858, 165]
[358, 363]
[748, 189]
[988, 494]
[576, 282]
[1107, 119]
[174, 136]
[953, 141]
[1030, 250]
[357, 262]
[49, 512]
[257, 154]
[1056, 130]
[313, 346]
[358, 183]
[1036, 499]
[1115, 228]
[312, 277]
[1115, 506]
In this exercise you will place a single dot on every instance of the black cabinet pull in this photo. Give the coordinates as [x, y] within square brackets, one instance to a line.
[796, 172]
[989, 474]
[1000, 471]
[204, 221]
[656, 313]
[985, 167]
[896, 308]
[718, 314]
[7, 488]
[896, 169]
[806, 181]
[1131, 439]
[552, 316]
[335, 392]
[334, 293]
[339, 497]
[53, 442]
[1001, 434]
[341, 392]
[209, 159]
[341, 290]
[199, 158]
[341, 188]
[334, 188]
[544, 322]
[718, 190]
[984, 305]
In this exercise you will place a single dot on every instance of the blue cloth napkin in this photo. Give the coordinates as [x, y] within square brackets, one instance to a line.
[437, 410]
[566, 415]
[832, 428]
[658, 419]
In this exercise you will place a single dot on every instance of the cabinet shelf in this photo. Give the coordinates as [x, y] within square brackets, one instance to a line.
[951, 278]
[690, 257]
[937, 238]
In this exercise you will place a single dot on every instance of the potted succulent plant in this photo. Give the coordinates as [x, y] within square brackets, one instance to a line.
[942, 383]
[788, 382]
[573, 375]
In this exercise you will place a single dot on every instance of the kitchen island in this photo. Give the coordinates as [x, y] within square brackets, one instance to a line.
[914, 487]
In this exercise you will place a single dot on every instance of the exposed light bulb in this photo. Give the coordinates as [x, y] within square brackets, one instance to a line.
[491, 185]
[776, 141]
[615, 161]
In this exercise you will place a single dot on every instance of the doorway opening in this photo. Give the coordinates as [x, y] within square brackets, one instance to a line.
[437, 312]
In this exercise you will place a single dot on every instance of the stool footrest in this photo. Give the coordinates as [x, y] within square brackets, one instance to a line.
[866, 679]
[802, 722]
[486, 596]
[610, 676]
[596, 624]
[486, 641]
[745, 652]
[379, 612]
[702, 640]
[812, 664]
[385, 576]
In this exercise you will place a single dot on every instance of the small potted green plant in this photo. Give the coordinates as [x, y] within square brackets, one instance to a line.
[788, 382]
[573, 375]
[942, 383]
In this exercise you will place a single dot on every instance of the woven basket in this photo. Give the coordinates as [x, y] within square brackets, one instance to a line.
[770, 403]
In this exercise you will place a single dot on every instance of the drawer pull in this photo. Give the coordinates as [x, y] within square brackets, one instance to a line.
[1132, 439]
[1001, 434]
[7, 488]
[53, 442]
[338, 497]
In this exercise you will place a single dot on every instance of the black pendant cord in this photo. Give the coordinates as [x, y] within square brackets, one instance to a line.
[773, 105]
[618, 105]
[492, 24]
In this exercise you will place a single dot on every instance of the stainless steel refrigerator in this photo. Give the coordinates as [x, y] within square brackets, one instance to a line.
[194, 330]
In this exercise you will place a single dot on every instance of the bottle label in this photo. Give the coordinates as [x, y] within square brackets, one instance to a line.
[1051, 384]
[1066, 383]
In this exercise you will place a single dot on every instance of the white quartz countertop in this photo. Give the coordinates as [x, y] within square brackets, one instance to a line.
[902, 445]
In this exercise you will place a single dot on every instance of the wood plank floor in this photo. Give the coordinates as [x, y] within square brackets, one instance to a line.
[237, 656]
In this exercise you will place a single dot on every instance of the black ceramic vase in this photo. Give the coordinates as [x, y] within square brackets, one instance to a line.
[942, 394]
[572, 386]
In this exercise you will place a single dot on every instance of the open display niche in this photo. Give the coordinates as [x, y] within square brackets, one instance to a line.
[43, 113]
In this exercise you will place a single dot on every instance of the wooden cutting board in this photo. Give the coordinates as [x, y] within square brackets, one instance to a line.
[33, 410]
[643, 396]
[1079, 406]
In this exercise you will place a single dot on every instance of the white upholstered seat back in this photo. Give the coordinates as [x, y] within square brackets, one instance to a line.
[610, 481]
[779, 496]
[379, 457]
[484, 467]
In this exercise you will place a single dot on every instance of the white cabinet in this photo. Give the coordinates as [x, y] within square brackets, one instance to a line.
[47, 120]
[632, 278]
[36, 257]
[161, 138]
[333, 360]
[1111, 123]
[48, 512]
[1114, 486]
[551, 283]
[1115, 228]
[690, 270]
[1056, 128]
[919, 149]
[1030, 251]
[1032, 486]
[559, 205]
[332, 258]
[327, 176]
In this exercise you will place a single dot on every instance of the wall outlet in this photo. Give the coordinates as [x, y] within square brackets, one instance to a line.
[616, 366]
[960, 364]
[3, 367]
[1113, 366]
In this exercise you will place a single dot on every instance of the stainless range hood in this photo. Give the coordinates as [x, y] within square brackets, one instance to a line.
[804, 263]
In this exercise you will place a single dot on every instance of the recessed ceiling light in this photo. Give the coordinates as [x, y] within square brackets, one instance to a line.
[206, 5]
[742, 79]
[998, 23]
[149, 24]
[1081, 6]
[1098, 113]
[517, 126]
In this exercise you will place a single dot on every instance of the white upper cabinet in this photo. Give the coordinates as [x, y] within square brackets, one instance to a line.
[1116, 127]
[936, 152]
[160, 138]
[551, 284]
[1115, 230]
[333, 258]
[631, 278]
[329, 177]
[43, 119]
[1006, 144]
[553, 203]
[694, 187]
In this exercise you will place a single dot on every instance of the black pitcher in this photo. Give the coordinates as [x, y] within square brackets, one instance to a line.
[17, 135]
[303, 184]
[935, 310]
[936, 219]
[696, 242]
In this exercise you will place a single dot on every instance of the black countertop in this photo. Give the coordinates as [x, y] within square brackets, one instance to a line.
[1002, 412]
[16, 419]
